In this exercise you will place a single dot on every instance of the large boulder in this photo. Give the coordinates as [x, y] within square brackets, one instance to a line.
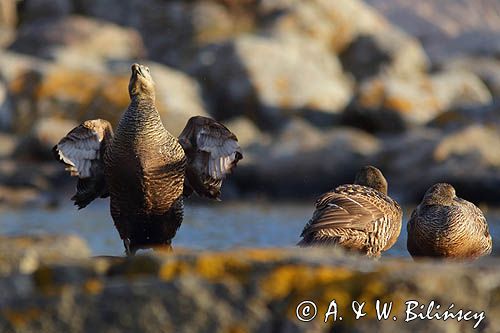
[270, 79]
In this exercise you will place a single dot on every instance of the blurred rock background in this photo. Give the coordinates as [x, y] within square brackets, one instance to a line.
[314, 89]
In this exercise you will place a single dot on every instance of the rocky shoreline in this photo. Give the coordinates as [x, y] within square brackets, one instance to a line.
[44, 287]
[314, 89]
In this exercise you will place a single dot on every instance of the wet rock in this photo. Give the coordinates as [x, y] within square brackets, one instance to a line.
[270, 79]
[23, 254]
[20, 196]
[78, 41]
[303, 161]
[415, 100]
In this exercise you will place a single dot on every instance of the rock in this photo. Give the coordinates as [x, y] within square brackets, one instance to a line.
[304, 162]
[416, 100]
[459, 88]
[78, 41]
[462, 157]
[270, 79]
[487, 69]
[461, 117]
[76, 94]
[333, 24]
[178, 97]
[448, 28]
[7, 145]
[248, 134]
[390, 51]
[8, 21]
[23, 254]
[190, 24]
[33, 10]
[44, 135]
[246, 291]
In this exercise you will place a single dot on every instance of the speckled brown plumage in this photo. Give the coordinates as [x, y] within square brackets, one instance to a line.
[359, 217]
[143, 167]
[444, 225]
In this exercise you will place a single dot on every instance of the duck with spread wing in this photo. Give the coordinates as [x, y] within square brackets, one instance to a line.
[144, 169]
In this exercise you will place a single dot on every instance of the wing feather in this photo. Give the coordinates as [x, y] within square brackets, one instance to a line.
[82, 151]
[342, 210]
[212, 151]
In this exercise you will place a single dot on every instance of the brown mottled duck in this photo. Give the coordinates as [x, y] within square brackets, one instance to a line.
[359, 217]
[144, 169]
[444, 225]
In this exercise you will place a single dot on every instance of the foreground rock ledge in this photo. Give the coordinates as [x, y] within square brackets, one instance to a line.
[247, 290]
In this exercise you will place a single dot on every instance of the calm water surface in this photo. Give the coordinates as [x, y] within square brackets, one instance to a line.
[218, 226]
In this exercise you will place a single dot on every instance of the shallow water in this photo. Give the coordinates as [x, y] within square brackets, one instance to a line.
[218, 226]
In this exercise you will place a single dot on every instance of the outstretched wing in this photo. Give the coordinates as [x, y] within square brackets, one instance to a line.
[212, 152]
[343, 210]
[82, 151]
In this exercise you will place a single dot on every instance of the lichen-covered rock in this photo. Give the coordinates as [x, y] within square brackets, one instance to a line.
[252, 290]
[270, 79]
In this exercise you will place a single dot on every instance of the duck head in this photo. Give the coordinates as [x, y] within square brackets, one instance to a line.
[141, 83]
[372, 177]
[440, 194]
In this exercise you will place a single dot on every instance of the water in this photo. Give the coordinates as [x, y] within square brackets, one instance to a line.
[218, 226]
